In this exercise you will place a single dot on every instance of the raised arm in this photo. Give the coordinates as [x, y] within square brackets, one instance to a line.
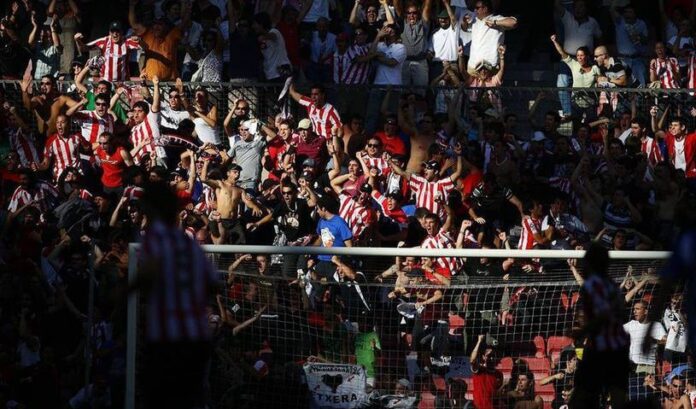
[55, 39]
[34, 28]
[501, 59]
[387, 12]
[427, 7]
[558, 47]
[354, 20]
[204, 175]
[155, 95]
[294, 94]
[80, 80]
[73, 109]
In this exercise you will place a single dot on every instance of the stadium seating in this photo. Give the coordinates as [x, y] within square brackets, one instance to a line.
[555, 345]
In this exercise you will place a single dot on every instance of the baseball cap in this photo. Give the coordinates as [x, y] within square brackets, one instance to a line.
[394, 195]
[432, 164]
[309, 162]
[366, 188]
[405, 383]
[178, 172]
[305, 124]
[538, 137]
[116, 26]
[443, 14]
[307, 174]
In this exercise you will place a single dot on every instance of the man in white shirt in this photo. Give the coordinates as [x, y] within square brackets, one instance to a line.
[631, 38]
[579, 30]
[174, 111]
[444, 41]
[389, 56]
[486, 35]
[644, 362]
[276, 64]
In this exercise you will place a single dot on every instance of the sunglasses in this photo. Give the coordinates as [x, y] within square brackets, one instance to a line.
[287, 192]
[373, 145]
[175, 96]
[46, 83]
[101, 104]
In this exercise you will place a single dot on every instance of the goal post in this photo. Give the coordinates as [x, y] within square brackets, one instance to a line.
[522, 312]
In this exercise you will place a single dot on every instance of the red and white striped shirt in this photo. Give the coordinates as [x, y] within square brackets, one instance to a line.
[357, 216]
[42, 193]
[323, 119]
[115, 55]
[428, 193]
[177, 303]
[691, 80]
[93, 125]
[133, 192]
[530, 227]
[148, 129]
[378, 163]
[397, 215]
[649, 147]
[64, 152]
[665, 69]
[442, 240]
[22, 143]
[348, 71]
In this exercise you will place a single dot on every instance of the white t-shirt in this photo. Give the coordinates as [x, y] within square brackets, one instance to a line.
[319, 8]
[637, 332]
[170, 118]
[485, 41]
[624, 135]
[205, 132]
[387, 75]
[676, 330]
[444, 43]
[679, 156]
[579, 34]
[465, 35]
[274, 55]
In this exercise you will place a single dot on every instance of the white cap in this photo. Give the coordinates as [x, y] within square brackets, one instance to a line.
[538, 137]
[252, 125]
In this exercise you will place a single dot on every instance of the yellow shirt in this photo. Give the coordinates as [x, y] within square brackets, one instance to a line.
[164, 67]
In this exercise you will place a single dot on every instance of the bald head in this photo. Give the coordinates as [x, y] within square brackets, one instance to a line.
[601, 55]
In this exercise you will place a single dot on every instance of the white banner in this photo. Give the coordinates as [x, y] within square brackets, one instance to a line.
[336, 385]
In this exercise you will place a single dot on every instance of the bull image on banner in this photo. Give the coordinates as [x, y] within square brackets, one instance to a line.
[336, 386]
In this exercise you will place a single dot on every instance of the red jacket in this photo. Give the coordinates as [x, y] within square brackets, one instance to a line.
[689, 152]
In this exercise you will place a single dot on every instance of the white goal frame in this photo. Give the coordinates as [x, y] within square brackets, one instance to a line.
[132, 324]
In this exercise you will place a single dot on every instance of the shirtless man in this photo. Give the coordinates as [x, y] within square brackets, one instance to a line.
[47, 105]
[422, 135]
[229, 196]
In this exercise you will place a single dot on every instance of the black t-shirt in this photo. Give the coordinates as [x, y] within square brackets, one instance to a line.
[295, 221]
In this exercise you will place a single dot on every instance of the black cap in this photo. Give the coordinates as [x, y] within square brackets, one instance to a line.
[366, 188]
[432, 164]
[116, 26]
[394, 195]
[234, 166]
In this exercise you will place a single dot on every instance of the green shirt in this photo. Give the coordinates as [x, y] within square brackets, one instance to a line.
[118, 108]
[365, 345]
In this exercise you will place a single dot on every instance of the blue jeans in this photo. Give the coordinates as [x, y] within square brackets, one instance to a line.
[564, 80]
[637, 66]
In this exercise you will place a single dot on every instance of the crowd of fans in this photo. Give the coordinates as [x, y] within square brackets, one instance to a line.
[447, 168]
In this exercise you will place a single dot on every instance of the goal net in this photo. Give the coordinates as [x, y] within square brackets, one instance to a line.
[370, 329]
